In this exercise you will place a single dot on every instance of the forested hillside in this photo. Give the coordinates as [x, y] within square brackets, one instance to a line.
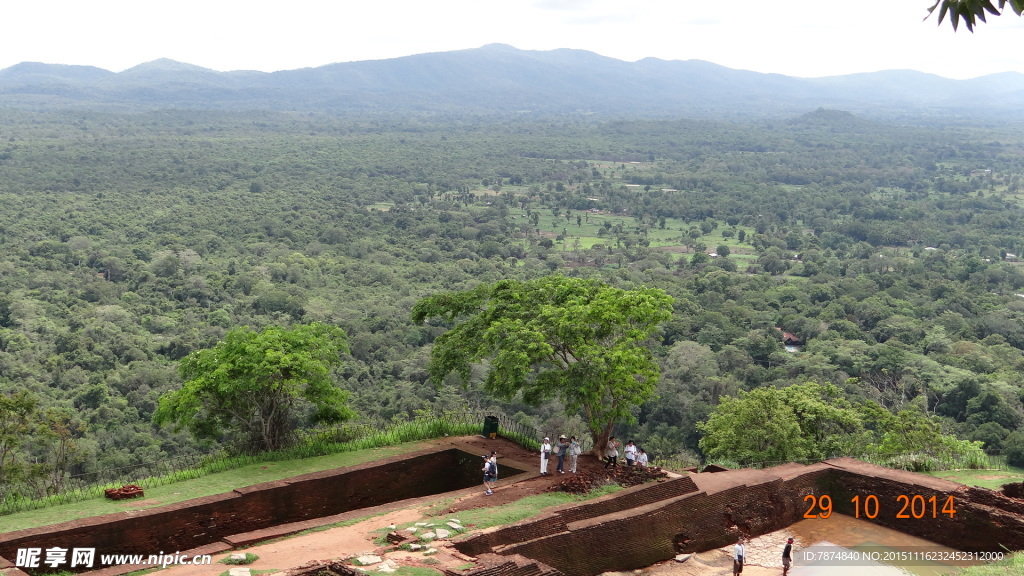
[888, 256]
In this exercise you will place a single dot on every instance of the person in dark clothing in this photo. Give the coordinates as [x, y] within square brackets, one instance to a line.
[787, 557]
[489, 473]
[563, 451]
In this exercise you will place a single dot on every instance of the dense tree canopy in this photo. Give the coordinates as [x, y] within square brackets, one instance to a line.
[254, 384]
[575, 340]
[891, 252]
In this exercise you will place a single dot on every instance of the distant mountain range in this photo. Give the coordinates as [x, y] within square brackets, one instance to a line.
[502, 79]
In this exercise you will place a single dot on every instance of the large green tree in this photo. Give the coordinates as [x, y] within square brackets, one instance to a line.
[256, 384]
[580, 341]
[779, 424]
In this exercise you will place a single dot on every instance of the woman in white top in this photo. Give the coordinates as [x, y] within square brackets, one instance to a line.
[545, 452]
[574, 453]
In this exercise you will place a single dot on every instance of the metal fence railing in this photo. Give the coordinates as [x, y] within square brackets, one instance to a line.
[912, 461]
[317, 442]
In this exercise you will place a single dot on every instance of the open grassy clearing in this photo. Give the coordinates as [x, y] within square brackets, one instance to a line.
[992, 479]
[204, 486]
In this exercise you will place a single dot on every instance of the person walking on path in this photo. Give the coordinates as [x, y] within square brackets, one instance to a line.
[563, 450]
[545, 453]
[488, 475]
[574, 453]
[611, 453]
[630, 453]
[787, 557]
[738, 554]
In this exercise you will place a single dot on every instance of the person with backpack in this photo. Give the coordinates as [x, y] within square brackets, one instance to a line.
[490, 473]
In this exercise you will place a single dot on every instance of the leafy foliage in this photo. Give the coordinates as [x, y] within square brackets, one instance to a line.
[253, 383]
[970, 11]
[130, 241]
[556, 337]
[813, 421]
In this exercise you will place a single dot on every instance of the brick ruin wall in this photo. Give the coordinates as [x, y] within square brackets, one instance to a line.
[556, 521]
[752, 503]
[194, 523]
[983, 521]
[630, 529]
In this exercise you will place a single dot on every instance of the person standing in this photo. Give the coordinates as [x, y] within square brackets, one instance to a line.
[611, 453]
[574, 453]
[494, 467]
[787, 557]
[630, 453]
[563, 450]
[545, 453]
[641, 458]
[738, 553]
[488, 475]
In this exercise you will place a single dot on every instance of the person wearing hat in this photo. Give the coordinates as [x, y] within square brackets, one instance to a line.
[787, 557]
[563, 450]
[545, 453]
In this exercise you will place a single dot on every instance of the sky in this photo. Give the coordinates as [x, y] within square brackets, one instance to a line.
[804, 38]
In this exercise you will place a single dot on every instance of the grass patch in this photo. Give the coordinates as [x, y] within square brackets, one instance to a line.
[1013, 564]
[249, 559]
[217, 483]
[417, 570]
[525, 508]
[992, 479]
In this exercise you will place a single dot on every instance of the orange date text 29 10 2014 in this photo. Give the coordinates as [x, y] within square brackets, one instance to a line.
[869, 506]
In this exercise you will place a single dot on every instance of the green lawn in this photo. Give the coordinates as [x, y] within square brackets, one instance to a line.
[203, 486]
[1011, 566]
[993, 479]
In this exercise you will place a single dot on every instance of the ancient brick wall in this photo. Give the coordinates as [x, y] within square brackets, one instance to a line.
[633, 535]
[190, 524]
[983, 519]
[631, 529]
[556, 520]
[640, 536]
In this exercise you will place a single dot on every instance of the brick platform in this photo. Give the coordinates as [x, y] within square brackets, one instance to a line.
[639, 527]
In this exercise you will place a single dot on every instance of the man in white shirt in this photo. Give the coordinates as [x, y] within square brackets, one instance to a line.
[630, 453]
[738, 553]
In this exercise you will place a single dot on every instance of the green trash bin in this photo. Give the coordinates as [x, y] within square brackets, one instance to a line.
[490, 427]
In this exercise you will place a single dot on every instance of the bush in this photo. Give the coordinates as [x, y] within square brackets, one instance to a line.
[1013, 448]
